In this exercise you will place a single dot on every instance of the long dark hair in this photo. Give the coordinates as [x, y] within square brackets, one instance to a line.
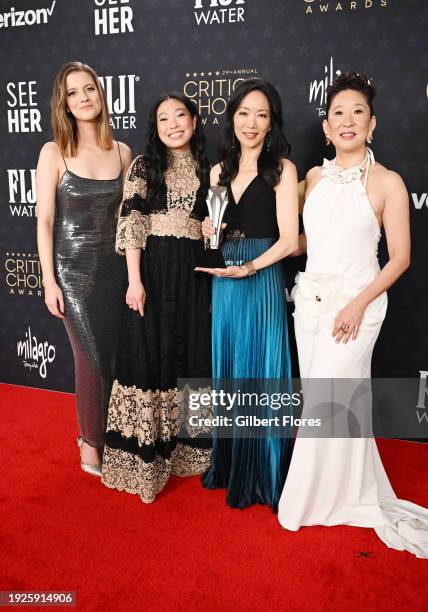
[269, 163]
[156, 153]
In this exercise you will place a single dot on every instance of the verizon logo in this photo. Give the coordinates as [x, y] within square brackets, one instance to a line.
[15, 19]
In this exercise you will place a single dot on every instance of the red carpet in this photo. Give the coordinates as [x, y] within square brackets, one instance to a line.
[63, 530]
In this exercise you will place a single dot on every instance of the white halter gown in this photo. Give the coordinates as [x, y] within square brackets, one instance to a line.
[341, 481]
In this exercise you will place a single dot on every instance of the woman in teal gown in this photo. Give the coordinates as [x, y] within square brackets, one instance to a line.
[249, 316]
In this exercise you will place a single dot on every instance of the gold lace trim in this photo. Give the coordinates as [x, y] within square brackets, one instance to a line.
[132, 232]
[187, 461]
[145, 415]
[175, 222]
[127, 472]
[181, 181]
[135, 181]
[154, 415]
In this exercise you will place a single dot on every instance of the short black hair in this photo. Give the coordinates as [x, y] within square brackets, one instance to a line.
[351, 80]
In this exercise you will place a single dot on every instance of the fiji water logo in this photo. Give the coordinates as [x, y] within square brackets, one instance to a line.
[22, 192]
[207, 12]
[120, 94]
[318, 88]
[35, 354]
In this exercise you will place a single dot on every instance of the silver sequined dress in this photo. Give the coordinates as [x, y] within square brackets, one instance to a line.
[91, 277]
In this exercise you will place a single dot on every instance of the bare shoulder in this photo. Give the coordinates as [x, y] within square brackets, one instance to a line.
[215, 174]
[314, 174]
[124, 149]
[288, 167]
[389, 180]
[50, 152]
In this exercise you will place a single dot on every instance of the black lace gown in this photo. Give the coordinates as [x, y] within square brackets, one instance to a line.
[171, 341]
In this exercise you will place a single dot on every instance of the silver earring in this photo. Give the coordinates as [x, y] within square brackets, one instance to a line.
[233, 140]
[370, 138]
[268, 141]
[327, 141]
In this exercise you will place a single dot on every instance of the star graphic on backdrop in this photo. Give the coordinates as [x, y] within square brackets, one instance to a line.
[383, 43]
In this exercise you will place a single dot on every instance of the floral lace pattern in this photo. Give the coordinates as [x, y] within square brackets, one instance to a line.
[137, 222]
[181, 181]
[132, 232]
[176, 222]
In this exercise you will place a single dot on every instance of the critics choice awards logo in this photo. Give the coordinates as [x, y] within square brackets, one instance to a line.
[23, 274]
[29, 17]
[312, 7]
[112, 17]
[23, 114]
[35, 353]
[120, 92]
[22, 192]
[211, 90]
[207, 12]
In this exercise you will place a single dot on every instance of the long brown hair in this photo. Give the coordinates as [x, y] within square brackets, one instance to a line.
[64, 124]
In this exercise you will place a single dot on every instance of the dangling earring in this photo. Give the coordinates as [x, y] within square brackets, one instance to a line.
[370, 138]
[327, 141]
[268, 141]
[233, 140]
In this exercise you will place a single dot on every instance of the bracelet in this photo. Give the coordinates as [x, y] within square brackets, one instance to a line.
[250, 268]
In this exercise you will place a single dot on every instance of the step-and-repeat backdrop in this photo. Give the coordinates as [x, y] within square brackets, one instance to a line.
[205, 48]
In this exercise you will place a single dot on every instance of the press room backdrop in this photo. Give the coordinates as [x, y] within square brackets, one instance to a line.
[204, 48]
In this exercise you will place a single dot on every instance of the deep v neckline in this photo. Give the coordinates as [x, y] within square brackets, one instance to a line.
[244, 192]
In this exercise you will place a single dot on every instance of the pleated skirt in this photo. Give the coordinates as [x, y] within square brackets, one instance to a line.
[250, 341]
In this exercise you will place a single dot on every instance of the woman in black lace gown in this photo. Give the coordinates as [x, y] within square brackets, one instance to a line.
[165, 330]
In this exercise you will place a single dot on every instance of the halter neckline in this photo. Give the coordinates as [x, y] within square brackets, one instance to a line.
[347, 175]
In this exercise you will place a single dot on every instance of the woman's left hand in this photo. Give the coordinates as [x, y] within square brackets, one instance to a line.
[347, 322]
[229, 272]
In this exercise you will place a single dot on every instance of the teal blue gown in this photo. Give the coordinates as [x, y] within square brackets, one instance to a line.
[250, 341]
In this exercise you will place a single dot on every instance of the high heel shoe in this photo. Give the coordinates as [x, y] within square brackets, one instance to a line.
[89, 468]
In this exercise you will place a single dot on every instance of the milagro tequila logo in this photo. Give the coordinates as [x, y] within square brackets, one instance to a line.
[207, 12]
[23, 114]
[22, 192]
[318, 88]
[211, 90]
[29, 17]
[419, 200]
[120, 92]
[322, 6]
[112, 17]
[35, 354]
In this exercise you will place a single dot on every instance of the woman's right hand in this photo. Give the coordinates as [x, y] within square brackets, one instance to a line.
[54, 300]
[207, 228]
[136, 297]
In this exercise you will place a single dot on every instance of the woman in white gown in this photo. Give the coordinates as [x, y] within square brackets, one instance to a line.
[340, 306]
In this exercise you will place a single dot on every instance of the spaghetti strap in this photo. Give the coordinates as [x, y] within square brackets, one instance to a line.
[120, 157]
[63, 160]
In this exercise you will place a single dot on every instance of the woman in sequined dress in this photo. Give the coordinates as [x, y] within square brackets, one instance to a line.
[165, 328]
[79, 187]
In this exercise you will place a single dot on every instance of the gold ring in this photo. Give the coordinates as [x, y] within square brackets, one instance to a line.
[345, 328]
